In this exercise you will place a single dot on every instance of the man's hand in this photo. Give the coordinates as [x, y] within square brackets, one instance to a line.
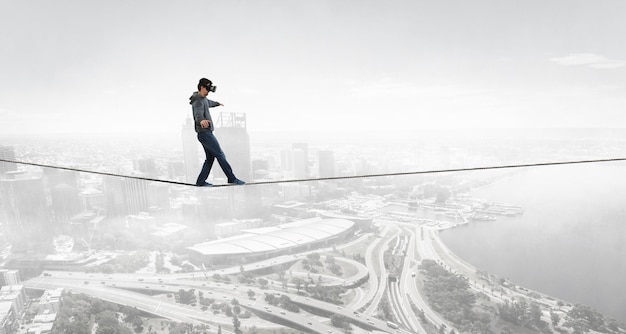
[204, 123]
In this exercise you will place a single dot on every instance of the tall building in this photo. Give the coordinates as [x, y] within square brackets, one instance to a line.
[326, 164]
[64, 193]
[146, 166]
[9, 277]
[159, 195]
[23, 198]
[286, 161]
[232, 134]
[125, 196]
[176, 170]
[92, 199]
[301, 159]
[7, 153]
[190, 151]
[260, 169]
[9, 318]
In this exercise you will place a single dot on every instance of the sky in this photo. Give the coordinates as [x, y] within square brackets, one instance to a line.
[72, 66]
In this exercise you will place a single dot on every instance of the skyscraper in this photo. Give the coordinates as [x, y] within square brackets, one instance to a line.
[233, 136]
[23, 198]
[146, 166]
[64, 193]
[326, 164]
[301, 160]
[299, 164]
[125, 196]
[7, 153]
[190, 151]
[286, 162]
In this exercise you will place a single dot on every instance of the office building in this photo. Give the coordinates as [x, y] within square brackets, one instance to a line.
[23, 198]
[7, 153]
[260, 169]
[146, 167]
[64, 193]
[191, 157]
[92, 199]
[176, 170]
[9, 277]
[125, 196]
[301, 160]
[231, 131]
[326, 164]
[286, 162]
[50, 301]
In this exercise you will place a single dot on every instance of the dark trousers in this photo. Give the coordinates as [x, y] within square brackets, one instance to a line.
[213, 151]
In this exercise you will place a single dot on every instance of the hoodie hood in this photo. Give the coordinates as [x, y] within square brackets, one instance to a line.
[195, 97]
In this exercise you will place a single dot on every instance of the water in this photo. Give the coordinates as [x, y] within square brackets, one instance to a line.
[570, 242]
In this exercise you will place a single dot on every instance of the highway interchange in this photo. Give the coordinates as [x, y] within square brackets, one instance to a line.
[126, 289]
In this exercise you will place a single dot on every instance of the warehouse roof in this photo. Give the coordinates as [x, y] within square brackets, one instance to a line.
[275, 238]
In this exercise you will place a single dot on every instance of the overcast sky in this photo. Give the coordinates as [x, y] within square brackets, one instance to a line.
[327, 65]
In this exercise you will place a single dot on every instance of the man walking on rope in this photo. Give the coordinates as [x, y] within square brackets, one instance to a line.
[204, 127]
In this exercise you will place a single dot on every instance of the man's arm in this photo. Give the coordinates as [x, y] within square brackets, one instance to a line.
[198, 111]
[214, 104]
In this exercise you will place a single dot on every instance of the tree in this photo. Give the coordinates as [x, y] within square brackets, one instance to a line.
[298, 282]
[107, 318]
[506, 330]
[442, 196]
[554, 317]
[131, 313]
[236, 324]
[138, 324]
[339, 321]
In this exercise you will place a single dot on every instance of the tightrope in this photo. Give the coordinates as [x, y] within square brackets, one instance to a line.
[434, 171]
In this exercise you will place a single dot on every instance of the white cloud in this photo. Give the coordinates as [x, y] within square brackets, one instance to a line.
[590, 60]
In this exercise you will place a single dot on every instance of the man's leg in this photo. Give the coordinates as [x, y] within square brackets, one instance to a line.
[208, 162]
[215, 149]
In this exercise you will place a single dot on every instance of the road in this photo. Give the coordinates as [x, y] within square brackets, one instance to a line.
[114, 288]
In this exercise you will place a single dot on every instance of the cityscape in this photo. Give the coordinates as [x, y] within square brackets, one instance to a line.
[84, 252]
[420, 167]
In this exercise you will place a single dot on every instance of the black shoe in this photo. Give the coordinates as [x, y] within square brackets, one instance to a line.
[237, 182]
[205, 184]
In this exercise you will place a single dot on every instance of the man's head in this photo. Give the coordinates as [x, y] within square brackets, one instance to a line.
[205, 86]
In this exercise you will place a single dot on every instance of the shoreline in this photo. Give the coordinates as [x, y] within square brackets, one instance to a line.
[456, 264]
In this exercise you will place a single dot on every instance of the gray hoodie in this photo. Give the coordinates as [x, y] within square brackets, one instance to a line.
[200, 106]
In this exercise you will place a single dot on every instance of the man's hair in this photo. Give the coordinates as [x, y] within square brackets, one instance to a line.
[204, 82]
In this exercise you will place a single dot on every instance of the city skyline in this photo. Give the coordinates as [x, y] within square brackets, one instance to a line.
[198, 216]
[322, 103]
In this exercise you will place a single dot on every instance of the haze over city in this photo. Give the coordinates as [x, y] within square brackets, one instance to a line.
[328, 90]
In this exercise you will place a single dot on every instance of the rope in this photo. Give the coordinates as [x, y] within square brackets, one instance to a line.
[99, 173]
[332, 178]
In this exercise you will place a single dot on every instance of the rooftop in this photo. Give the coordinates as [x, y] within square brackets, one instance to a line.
[275, 238]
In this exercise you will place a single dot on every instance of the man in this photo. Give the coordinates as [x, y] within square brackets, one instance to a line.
[204, 127]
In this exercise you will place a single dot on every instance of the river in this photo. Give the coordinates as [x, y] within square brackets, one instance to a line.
[569, 243]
